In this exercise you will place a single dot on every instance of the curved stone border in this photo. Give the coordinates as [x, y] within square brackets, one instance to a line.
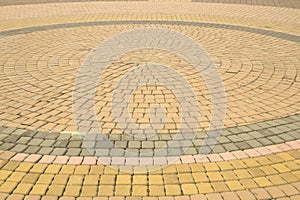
[276, 34]
[245, 137]
[157, 161]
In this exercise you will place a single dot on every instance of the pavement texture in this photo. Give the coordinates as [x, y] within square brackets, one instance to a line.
[152, 100]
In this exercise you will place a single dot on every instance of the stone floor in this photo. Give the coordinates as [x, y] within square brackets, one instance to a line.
[168, 100]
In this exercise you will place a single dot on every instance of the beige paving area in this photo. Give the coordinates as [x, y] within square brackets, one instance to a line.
[255, 49]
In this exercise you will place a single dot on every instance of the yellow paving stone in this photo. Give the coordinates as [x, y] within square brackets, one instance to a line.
[225, 166]
[72, 190]
[16, 176]
[185, 178]
[281, 168]
[38, 168]
[89, 191]
[242, 173]
[170, 169]
[172, 190]
[234, 185]
[250, 162]
[53, 169]
[123, 179]
[107, 179]
[23, 188]
[276, 180]
[292, 165]
[45, 179]
[139, 190]
[189, 189]
[238, 164]
[214, 176]
[211, 167]
[122, 190]
[170, 179]
[155, 180]
[55, 190]
[200, 177]
[96, 170]
[110, 171]
[197, 168]
[4, 174]
[248, 183]
[183, 168]
[156, 190]
[39, 189]
[205, 188]
[67, 169]
[75, 180]
[263, 161]
[285, 156]
[262, 182]
[140, 180]
[106, 190]
[228, 175]
[91, 180]
[30, 178]
[255, 172]
[60, 179]
[82, 169]
[268, 170]
[219, 187]
[8, 187]
[24, 167]
[289, 177]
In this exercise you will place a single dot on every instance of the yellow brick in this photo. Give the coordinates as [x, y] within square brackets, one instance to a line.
[75, 180]
[197, 168]
[242, 173]
[189, 189]
[38, 168]
[204, 188]
[211, 167]
[67, 169]
[229, 175]
[234, 185]
[173, 190]
[185, 178]
[82, 169]
[248, 183]
[139, 190]
[107, 179]
[250, 162]
[219, 187]
[16, 176]
[238, 164]
[72, 191]
[55, 190]
[276, 180]
[262, 182]
[268, 170]
[4, 174]
[96, 170]
[30, 178]
[53, 169]
[89, 191]
[122, 190]
[106, 190]
[157, 190]
[24, 167]
[281, 168]
[8, 187]
[123, 179]
[155, 180]
[285, 156]
[214, 176]
[200, 177]
[23, 188]
[45, 179]
[140, 180]
[110, 171]
[39, 189]
[60, 179]
[91, 180]
[225, 166]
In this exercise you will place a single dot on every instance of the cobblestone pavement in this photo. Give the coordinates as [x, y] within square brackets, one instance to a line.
[51, 150]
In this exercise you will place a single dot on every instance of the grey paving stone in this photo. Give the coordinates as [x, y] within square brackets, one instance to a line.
[73, 152]
[59, 151]
[61, 143]
[35, 142]
[175, 151]
[254, 143]
[19, 148]
[134, 144]
[47, 143]
[32, 149]
[147, 145]
[116, 152]
[45, 150]
[102, 152]
[24, 140]
[75, 144]
[104, 145]
[7, 146]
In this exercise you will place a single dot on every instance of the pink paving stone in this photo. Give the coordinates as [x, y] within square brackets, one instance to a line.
[215, 158]
[61, 160]
[160, 161]
[47, 159]
[104, 161]
[118, 160]
[284, 147]
[252, 153]
[89, 161]
[20, 157]
[173, 160]
[274, 149]
[201, 158]
[240, 154]
[263, 151]
[33, 158]
[187, 159]
[75, 160]
[146, 161]
[228, 156]
[132, 161]
[295, 145]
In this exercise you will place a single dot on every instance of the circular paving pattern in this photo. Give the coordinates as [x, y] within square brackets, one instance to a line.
[50, 143]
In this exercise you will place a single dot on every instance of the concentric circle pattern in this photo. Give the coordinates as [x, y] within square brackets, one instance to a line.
[202, 102]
